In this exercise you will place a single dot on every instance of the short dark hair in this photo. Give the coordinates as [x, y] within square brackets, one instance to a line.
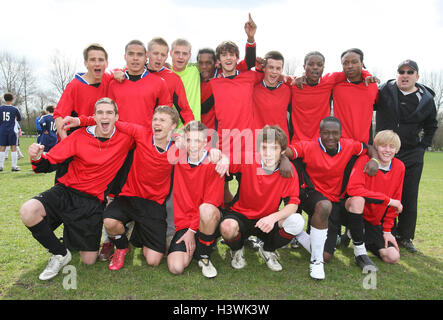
[50, 109]
[274, 55]
[208, 51]
[314, 53]
[135, 42]
[94, 46]
[354, 50]
[330, 119]
[227, 46]
[8, 96]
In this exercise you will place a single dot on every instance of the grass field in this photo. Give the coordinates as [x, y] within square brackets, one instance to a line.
[417, 276]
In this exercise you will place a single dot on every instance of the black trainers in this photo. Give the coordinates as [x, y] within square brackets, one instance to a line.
[408, 245]
[15, 169]
[364, 262]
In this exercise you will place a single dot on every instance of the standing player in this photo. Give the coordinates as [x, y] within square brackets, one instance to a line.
[272, 98]
[37, 125]
[85, 89]
[197, 195]
[157, 54]
[139, 94]
[376, 201]
[49, 130]
[326, 160]
[188, 73]
[76, 201]
[257, 210]
[8, 115]
[353, 100]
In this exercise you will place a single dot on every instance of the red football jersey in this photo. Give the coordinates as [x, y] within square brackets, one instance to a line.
[193, 186]
[150, 173]
[94, 163]
[178, 94]
[233, 104]
[354, 106]
[271, 106]
[207, 105]
[377, 191]
[312, 104]
[261, 193]
[80, 97]
[326, 172]
[136, 100]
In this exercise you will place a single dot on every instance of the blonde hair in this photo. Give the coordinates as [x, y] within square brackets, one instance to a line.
[170, 111]
[387, 137]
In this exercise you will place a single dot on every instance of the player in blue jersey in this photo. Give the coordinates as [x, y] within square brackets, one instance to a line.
[49, 129]
[8, 137]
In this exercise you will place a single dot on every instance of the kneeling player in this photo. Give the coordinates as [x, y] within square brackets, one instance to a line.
[257, 210]
[77, 200]
[377, 198]
[197, 194]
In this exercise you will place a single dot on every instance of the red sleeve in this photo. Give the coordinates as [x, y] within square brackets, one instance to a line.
[357, 184]
[65, 105]
[86, 121]
[132, 129]
[164, 97]
[391, 214]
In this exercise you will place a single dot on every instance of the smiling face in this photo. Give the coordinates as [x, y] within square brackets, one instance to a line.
[273, 71]
[96, 63]
[157, 56]
[162, 125]
[407, 78]
[135, 57]
[314, 67]
[385, 153]
[195, 143]
[228, 61]
[105, 118]
[330, 133]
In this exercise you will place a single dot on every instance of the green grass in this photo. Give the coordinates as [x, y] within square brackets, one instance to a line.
[417, 276]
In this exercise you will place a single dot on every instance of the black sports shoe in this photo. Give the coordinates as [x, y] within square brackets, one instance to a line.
[408, 245]
[15, 169]
[365, 263]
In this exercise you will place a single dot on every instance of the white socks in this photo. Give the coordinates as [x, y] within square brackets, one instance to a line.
[2, 159]
[318, 239]
[14, 159]
[359, 250]
[304, 239]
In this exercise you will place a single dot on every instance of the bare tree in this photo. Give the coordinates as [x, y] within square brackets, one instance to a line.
[61, 73]
[28, 85]
[292, 66]
[434, 80]
[10, 75]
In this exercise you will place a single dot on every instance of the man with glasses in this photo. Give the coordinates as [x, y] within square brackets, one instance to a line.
[408, 108]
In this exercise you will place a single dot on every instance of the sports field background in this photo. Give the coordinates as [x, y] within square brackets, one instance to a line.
[417, 276]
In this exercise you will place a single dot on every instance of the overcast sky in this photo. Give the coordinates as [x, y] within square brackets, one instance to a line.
[387, 31]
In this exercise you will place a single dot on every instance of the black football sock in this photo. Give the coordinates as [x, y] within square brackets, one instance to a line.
[204, 245]
[46, 237]
[356, 227]
[120, 241]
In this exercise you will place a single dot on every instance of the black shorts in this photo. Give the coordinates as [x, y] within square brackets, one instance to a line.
[81, 215]
[309, 198]
[337, 218]
[149, 217]
[181, 247]
[247, 228]
[374, 240]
